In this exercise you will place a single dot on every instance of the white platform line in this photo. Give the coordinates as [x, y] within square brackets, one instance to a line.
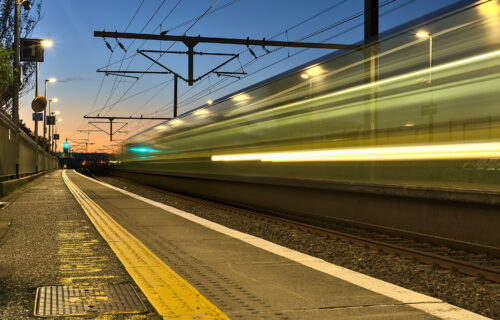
[417, 300]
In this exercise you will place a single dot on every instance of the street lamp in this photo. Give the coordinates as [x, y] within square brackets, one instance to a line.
[46, 44]
[426, 35]
[50, 126]
[431, 109]
[310, 74]
[45, 113]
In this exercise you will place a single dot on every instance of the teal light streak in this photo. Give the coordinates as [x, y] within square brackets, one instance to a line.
[143, 150]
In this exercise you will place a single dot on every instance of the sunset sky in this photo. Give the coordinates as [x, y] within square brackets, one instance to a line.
[76, 54]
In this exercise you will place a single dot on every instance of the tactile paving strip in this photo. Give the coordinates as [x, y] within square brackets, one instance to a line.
[54, 301]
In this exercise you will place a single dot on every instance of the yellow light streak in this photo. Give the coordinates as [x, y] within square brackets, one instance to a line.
[489, 8]
[176, 122]
[393, 153]
[241, 97]
[201, 112]
[315, 71]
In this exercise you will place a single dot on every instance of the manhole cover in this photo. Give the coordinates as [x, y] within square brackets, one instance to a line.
[53, 301]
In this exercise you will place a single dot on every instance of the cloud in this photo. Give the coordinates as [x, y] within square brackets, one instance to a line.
[73, 79]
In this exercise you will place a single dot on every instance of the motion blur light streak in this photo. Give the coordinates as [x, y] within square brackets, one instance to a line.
[416, 73]
[330, 124]
[201, 112]
[489, 8]
[241, 97]
[143, 150]
[421, 152]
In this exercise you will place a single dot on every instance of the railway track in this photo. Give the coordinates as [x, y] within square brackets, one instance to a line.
[469, 259]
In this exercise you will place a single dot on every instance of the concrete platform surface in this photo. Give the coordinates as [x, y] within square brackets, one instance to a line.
[64, 229]
[52, 242]
[250, 278]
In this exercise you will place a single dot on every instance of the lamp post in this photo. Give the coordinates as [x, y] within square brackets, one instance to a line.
[17, 74]
[45, 113]
[50, 125]
[425, 35]
[45, 44]
[431, 109]
[54, 131]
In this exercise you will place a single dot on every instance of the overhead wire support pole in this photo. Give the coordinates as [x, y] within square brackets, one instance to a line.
[121, 75]
[175, 94]
[192, 41]
[127, 71]
[125, 118]
[161, 65]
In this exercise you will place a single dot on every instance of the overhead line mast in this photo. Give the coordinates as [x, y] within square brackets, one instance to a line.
[191, 42]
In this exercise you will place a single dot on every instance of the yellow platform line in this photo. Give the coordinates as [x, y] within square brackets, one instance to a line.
[171, 295]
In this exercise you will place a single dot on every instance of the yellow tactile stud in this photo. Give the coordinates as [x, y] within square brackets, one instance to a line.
[171, 295]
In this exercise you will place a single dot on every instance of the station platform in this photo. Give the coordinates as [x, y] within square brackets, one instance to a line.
[65, 234]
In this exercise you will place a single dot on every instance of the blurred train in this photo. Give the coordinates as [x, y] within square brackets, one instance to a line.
[419, 108]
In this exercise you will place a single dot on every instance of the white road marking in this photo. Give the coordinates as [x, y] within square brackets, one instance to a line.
[428, 304]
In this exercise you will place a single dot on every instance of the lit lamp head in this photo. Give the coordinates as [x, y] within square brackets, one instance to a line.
[423, 34]
[51, 80]
[47, 43]
[54, 100]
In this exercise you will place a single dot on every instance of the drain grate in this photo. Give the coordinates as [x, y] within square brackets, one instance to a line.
[54, 301]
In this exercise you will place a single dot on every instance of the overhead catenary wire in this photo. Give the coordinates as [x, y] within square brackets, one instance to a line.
[195, 21]
[343, 21]
[203, 93]
[328, 27]
[104, 76]
[276, 35]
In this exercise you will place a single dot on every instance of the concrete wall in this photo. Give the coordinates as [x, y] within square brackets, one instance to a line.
[19, 154]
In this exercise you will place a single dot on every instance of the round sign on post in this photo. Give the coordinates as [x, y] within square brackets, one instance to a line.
[38, 104]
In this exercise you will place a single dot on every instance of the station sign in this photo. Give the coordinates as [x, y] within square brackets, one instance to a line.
[37, 116]
[31, 50]
[51, 120]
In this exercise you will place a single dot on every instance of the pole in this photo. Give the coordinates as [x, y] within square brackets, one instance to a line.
[44, 120]
[36, 95]
[15, 87]
[110, 129]
[190, 64]
[430, 60]
[50, 136]
[175, 94]
[15, 92]
[371, 22]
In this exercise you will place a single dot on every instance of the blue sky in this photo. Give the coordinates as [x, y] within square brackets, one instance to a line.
[76, 54]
